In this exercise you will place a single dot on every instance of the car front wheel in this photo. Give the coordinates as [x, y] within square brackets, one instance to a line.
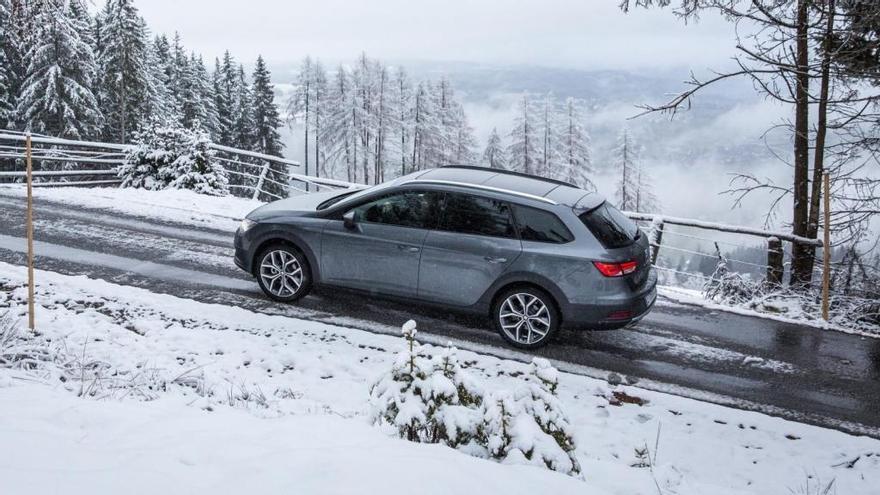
[526, 317]
[283, 273]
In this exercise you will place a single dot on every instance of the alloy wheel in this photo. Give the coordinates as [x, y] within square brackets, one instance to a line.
[281, 273]
[525, 318]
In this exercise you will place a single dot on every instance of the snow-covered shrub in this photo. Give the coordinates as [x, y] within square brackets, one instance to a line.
[434, 400]
[172, 156]
[728, 287]
[428, 399]
[528, 426]
[196, 168]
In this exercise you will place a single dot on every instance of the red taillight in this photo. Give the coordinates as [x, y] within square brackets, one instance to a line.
[616, 269]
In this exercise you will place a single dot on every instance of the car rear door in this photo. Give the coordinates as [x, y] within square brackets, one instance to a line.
[382, 252]
[474, 243]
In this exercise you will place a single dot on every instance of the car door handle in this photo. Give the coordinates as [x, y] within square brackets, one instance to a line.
[408, 249]
[493, 259]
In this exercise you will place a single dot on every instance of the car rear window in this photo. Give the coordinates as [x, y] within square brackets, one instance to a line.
[611, 227]
[540, 226]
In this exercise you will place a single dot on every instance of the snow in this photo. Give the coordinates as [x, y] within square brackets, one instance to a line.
[171, 205]
[192, 397]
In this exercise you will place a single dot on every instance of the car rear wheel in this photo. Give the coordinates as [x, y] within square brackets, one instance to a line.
[283, 273]
[526, 317]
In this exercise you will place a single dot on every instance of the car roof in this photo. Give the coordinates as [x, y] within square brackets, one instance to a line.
[504, 181]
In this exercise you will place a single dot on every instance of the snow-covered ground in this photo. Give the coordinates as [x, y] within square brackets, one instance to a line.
[185, 397]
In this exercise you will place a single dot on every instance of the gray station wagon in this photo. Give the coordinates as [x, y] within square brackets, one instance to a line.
[532, 253]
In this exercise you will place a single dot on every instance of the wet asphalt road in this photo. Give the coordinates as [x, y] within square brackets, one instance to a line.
[798, 372]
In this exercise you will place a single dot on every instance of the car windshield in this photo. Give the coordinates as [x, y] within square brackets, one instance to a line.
[335, 199]
[611, 227]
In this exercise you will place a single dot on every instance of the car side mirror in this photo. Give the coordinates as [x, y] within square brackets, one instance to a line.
[348, 220]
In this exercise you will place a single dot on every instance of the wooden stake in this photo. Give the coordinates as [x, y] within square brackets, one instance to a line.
[826, 250]
[30, 233]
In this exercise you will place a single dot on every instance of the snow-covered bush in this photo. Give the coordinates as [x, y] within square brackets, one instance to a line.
[434, 400]
[171, 156]
[425, 399]
[728, 287]
[528, 426]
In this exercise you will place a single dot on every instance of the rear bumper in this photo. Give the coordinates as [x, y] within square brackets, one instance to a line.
[616, 315]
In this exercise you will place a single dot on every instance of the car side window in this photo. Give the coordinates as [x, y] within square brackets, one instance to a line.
[540, 226]
[469, 214]
[417, 209]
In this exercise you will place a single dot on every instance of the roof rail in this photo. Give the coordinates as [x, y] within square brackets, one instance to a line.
[483, 188]
[511, 172]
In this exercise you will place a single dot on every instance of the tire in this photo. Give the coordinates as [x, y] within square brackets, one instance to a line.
[536, 329]
[295, 278]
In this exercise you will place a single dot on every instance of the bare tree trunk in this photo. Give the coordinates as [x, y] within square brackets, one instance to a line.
[821, 132]
[801, 264]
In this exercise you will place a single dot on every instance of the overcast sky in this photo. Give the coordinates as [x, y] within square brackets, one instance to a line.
[587, 34]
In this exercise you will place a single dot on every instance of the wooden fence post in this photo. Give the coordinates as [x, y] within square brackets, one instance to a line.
[657, 234]
[775, 261]
[29, 225]
[260, 181]
[826, 246]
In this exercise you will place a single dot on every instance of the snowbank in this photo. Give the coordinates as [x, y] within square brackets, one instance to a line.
[170, 205]
[201, 398]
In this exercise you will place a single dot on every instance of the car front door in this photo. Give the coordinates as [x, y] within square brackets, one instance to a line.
[472, 246]
[381, 251]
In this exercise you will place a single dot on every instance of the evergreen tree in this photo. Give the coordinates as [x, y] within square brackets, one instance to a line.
[463, 140]
[494, 156]
[339, 131]
[427, 130]
[267, 122]
[550, 165]
[225, 91]
[319, 115]
[127, 87]
[626, 156]
[523, 151]
[243, 114]
[301, 104]
[5, 90]
[56, 97]
[403, 95]
[575, 147]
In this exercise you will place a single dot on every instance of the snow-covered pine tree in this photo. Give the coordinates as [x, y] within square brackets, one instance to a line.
[575, 146]
[126, 84]
[426, 129]
[160, 104]
[56, 98]
[645, 199]
[267, 139]
[463, 141]
[495, 155]
[19, 31]
[550, 162]
[528, 426]
[5, 89]
[225, 91]
[168, 155]
[626, 158]
[198, 110]
[339, 134]
[429, 400]
[301, 104]
[243, 113]
[403, 95]
[196, 167]
[523, 151]
[319, 115]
